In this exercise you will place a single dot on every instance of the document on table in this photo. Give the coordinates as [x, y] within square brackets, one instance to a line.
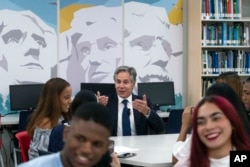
[121, 150]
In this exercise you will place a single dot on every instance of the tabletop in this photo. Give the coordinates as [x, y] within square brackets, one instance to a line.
[153, 150]
[11, 119]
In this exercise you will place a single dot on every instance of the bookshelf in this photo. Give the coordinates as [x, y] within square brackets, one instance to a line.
[218, 41]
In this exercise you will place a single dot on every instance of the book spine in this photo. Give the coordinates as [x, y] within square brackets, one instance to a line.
[246, 35]
[207, 9]
[224, 33]
[209, 62]
[204, 34]
[230, 60]
[239, 8]
[248, 62]
[220, 34]
[228, 8]
[213, 35]
[230, 35]
[236, 35]
[216, 9]
[212, 9]
[232, 9]
[205, 62]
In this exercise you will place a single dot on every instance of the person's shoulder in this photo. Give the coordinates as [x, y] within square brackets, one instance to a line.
[45, 123]
[57, 131]
[51, 160]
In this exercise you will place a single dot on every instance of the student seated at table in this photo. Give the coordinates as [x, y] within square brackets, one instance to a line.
[217, 130]
[56, 137]
[86, 140]
[52, 108]
[56, 143]
[182, 146]
[132, 114]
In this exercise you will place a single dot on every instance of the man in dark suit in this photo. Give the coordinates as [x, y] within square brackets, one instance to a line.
[139, 110]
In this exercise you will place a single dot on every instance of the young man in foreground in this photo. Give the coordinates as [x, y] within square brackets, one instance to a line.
[86, 139]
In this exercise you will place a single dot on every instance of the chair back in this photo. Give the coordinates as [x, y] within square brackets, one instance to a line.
[24, 119]
[24, 144]
[173, 124]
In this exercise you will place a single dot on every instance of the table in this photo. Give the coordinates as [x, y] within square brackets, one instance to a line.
[12, 119]
[154, 150]
[163, 114]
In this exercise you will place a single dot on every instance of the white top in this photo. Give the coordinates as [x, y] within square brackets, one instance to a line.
[40, 141]
[131, 116]
[222, 162]
[181, 149]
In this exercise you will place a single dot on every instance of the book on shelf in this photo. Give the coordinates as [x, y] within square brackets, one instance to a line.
[205, 62]
[221, 9]
[216, 62]
[246, 34]
[206, 83]
[247, 63]
[225, 34]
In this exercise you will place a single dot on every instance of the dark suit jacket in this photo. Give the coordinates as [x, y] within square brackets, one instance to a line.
[142, 124]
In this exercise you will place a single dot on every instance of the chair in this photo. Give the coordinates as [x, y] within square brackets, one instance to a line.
[24, 119]
[1, 158]
[24, 143]
[173, 124]
[24, 116]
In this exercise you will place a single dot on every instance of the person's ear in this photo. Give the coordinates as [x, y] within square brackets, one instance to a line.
[66, 132]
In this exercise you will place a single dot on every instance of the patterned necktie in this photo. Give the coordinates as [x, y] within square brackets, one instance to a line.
[126, 130]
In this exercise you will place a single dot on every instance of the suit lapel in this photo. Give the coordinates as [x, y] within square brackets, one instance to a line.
[137, 114]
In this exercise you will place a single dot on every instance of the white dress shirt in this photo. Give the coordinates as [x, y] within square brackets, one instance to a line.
[131, 116]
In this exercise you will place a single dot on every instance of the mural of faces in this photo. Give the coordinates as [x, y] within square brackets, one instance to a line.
[94, 45]
[29, 47]
[145, 39]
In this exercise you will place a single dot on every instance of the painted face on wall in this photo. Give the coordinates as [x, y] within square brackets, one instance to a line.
[100, 51]
[145, 42]
[96, 42]
[28, 47]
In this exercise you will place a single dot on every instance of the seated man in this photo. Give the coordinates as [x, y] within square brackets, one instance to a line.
[86, 140]
[132, 114]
